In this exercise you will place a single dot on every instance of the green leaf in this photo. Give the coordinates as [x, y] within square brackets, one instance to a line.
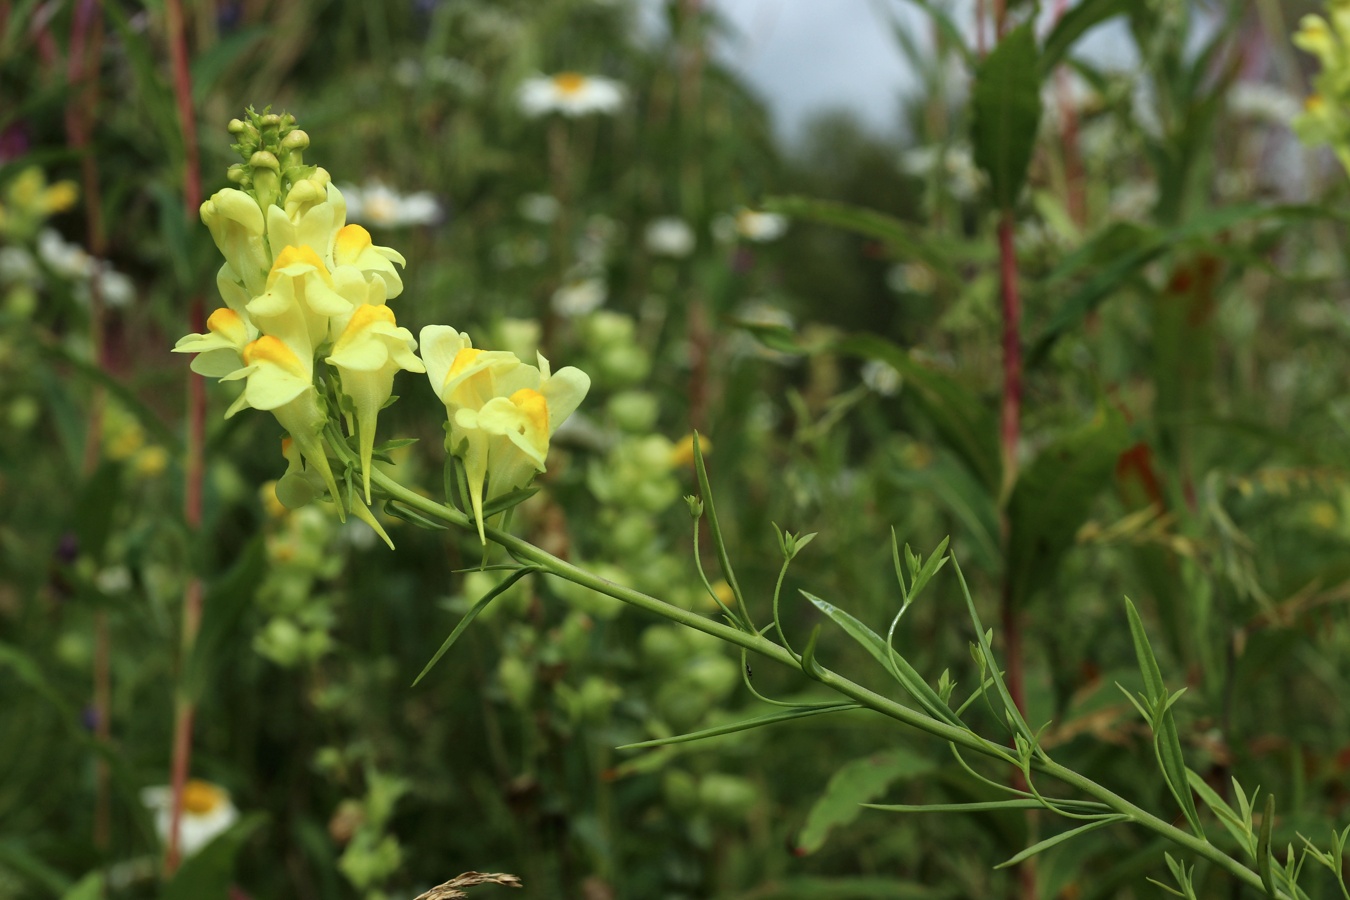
[223, 607]
[905, 239]
[96, 507]
[1123, 250]
[408, 514]
[744, 725]
[1042, 846]
[1006, 112]
[90, 887]
[982, 638]
[1263, 859]
[981, 806]
[215, 61]
[1226, 815]
[507, 584]
[893, 663]
[148, 419]
[1052, 499]
[964, 422]
[207, 874]
[1076, 22]
[853, 784]
[1166, 740]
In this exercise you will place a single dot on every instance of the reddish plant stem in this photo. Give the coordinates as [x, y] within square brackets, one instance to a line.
[193, 469]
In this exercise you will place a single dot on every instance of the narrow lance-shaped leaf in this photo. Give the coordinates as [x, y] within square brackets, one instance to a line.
[1077, 21]
[744, 725]
[1042, 846]
[896, 665]
[1263, 861]
[1006, 113]
[715, 530]
[1166, 740]
[507, 584]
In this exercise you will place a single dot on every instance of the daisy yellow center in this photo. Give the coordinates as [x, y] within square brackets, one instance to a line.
[202, 797]
[569, 82]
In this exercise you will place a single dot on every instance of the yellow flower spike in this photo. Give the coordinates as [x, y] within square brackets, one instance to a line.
[282, 383]
[368, 353]
[300, 302]
[220, 350]
[354, 247]
[236, 224]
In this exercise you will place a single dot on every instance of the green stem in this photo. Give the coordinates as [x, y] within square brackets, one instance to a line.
[527, 552]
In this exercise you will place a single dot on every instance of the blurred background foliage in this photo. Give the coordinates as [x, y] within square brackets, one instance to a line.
[1184, 442]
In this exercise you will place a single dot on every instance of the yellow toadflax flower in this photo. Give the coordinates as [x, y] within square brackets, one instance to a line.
[282, 382]
[502, 411]
[300, 301]
[368, 353]
[221, 350]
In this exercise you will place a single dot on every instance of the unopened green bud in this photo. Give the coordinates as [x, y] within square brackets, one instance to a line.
[695, 506]
[236, 126]
[270, 120]
[264, 160]
[296, 140]
[239, 174]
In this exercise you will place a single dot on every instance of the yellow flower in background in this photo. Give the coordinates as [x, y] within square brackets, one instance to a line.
[28, 201]
[282, 383]
[1326, 114]
[221, 350]
[368, 353]
[502, 411]
[682, 453]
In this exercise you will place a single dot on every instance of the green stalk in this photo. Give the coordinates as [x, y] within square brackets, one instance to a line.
[549, 564]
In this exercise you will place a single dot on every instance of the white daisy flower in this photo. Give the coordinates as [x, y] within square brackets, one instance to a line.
[759, 227]
[881, 377]
[580, 297]
[571, 94]
[207, 812]
[383, 207]
[1262, 102]
[539, 208]
[670, 236]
